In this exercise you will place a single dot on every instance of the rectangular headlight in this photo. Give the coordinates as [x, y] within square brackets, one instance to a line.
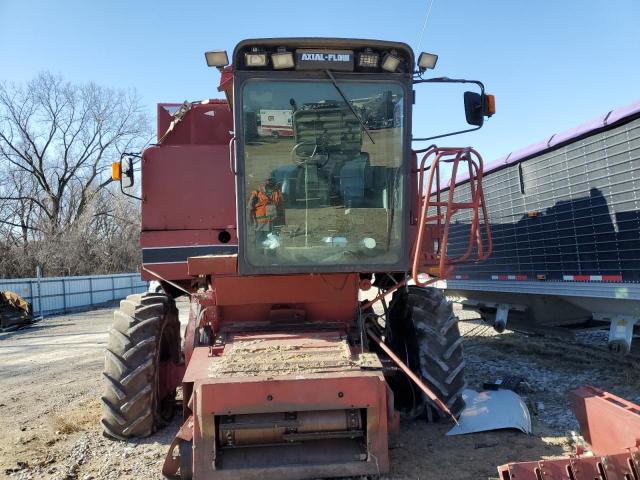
[217, 58]
[390, 62]
[427, 61]
[254, 59]
[368, 60]
[282, 60]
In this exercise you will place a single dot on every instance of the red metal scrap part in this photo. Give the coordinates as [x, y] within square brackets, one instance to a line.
[623, 465]
[607, 422]
[611, 426]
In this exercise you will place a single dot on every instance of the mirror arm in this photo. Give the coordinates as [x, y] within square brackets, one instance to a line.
[128, 194]
[449, 80]
[446, 134]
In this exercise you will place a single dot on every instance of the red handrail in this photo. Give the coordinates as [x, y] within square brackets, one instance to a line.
[454, 156]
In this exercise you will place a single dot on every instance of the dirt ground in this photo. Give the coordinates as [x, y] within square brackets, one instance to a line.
[50, 384]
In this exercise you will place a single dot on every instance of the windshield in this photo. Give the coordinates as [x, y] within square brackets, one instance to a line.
[319, 190]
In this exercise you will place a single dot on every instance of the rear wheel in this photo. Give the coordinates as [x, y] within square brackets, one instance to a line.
[145, 332]
[423, 331]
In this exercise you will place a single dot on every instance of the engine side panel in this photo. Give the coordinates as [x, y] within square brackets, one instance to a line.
[188, 190]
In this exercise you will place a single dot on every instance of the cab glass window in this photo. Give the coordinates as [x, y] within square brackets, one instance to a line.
[319, 190]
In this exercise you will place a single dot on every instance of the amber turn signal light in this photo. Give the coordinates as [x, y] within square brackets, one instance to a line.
[491, 105]
[116, 171]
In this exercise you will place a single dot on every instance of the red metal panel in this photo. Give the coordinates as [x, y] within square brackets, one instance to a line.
[170, 271]
[187, 187]
[618, 466]
[320, 311]
[305, 393]
[272, 289]
[216, 264]
[237, 395]
[607, 422]
[178, 238]
[198, 366]
[611, 427]
[204, 124]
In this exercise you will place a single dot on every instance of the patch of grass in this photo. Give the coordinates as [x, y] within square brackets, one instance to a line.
[81, 416]
[64, 425]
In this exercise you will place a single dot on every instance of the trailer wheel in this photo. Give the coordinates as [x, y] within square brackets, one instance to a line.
[423, 332]
[145, 332]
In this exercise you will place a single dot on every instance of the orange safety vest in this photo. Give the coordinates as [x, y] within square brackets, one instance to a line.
[265, 207]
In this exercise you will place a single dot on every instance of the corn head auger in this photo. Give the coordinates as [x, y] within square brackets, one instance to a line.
[273, 211]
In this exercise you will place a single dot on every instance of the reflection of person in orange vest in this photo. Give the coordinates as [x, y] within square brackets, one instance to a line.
[266, 209]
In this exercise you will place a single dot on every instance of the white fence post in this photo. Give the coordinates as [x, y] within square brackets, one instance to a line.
[39, 274]
[64, 295]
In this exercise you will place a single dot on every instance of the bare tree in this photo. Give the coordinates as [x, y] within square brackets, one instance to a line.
[57, 141]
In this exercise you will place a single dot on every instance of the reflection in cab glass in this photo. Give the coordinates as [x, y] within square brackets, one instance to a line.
[323, 178]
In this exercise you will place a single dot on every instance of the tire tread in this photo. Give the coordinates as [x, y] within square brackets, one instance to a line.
[129, 400]
[438, 359]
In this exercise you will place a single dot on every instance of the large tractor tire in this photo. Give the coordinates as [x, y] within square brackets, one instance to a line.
[145, 332]
[423, 331]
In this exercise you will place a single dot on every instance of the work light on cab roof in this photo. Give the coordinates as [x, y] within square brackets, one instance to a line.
[217, 58]
[365, 59]
[427, 61]
[368, 59]
[282, 59]
[256, 58]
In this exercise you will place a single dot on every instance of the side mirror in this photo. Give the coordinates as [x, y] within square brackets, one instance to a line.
[122, 172]
[477, 106]
[473, 108]
[127, 171]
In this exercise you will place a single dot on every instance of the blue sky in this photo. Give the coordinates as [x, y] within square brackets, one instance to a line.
[551, 64]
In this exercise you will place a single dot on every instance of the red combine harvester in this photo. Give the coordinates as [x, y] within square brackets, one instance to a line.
[285, 372]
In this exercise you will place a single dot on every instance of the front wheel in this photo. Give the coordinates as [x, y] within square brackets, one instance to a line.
[145, 332]
[423, 331]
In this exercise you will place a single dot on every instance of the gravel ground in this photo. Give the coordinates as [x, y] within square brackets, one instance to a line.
[50, 384]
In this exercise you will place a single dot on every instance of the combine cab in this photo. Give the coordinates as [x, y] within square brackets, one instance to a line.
[284, 371]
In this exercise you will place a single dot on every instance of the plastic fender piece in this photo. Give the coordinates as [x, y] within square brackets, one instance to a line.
[492, 410]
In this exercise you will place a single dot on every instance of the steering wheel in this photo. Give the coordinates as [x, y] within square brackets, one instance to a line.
[298, 159]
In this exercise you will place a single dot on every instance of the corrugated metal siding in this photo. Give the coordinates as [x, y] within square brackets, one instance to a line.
[50, 295]
[584, 200]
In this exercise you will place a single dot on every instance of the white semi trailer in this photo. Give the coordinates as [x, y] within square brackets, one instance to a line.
[565, 222]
